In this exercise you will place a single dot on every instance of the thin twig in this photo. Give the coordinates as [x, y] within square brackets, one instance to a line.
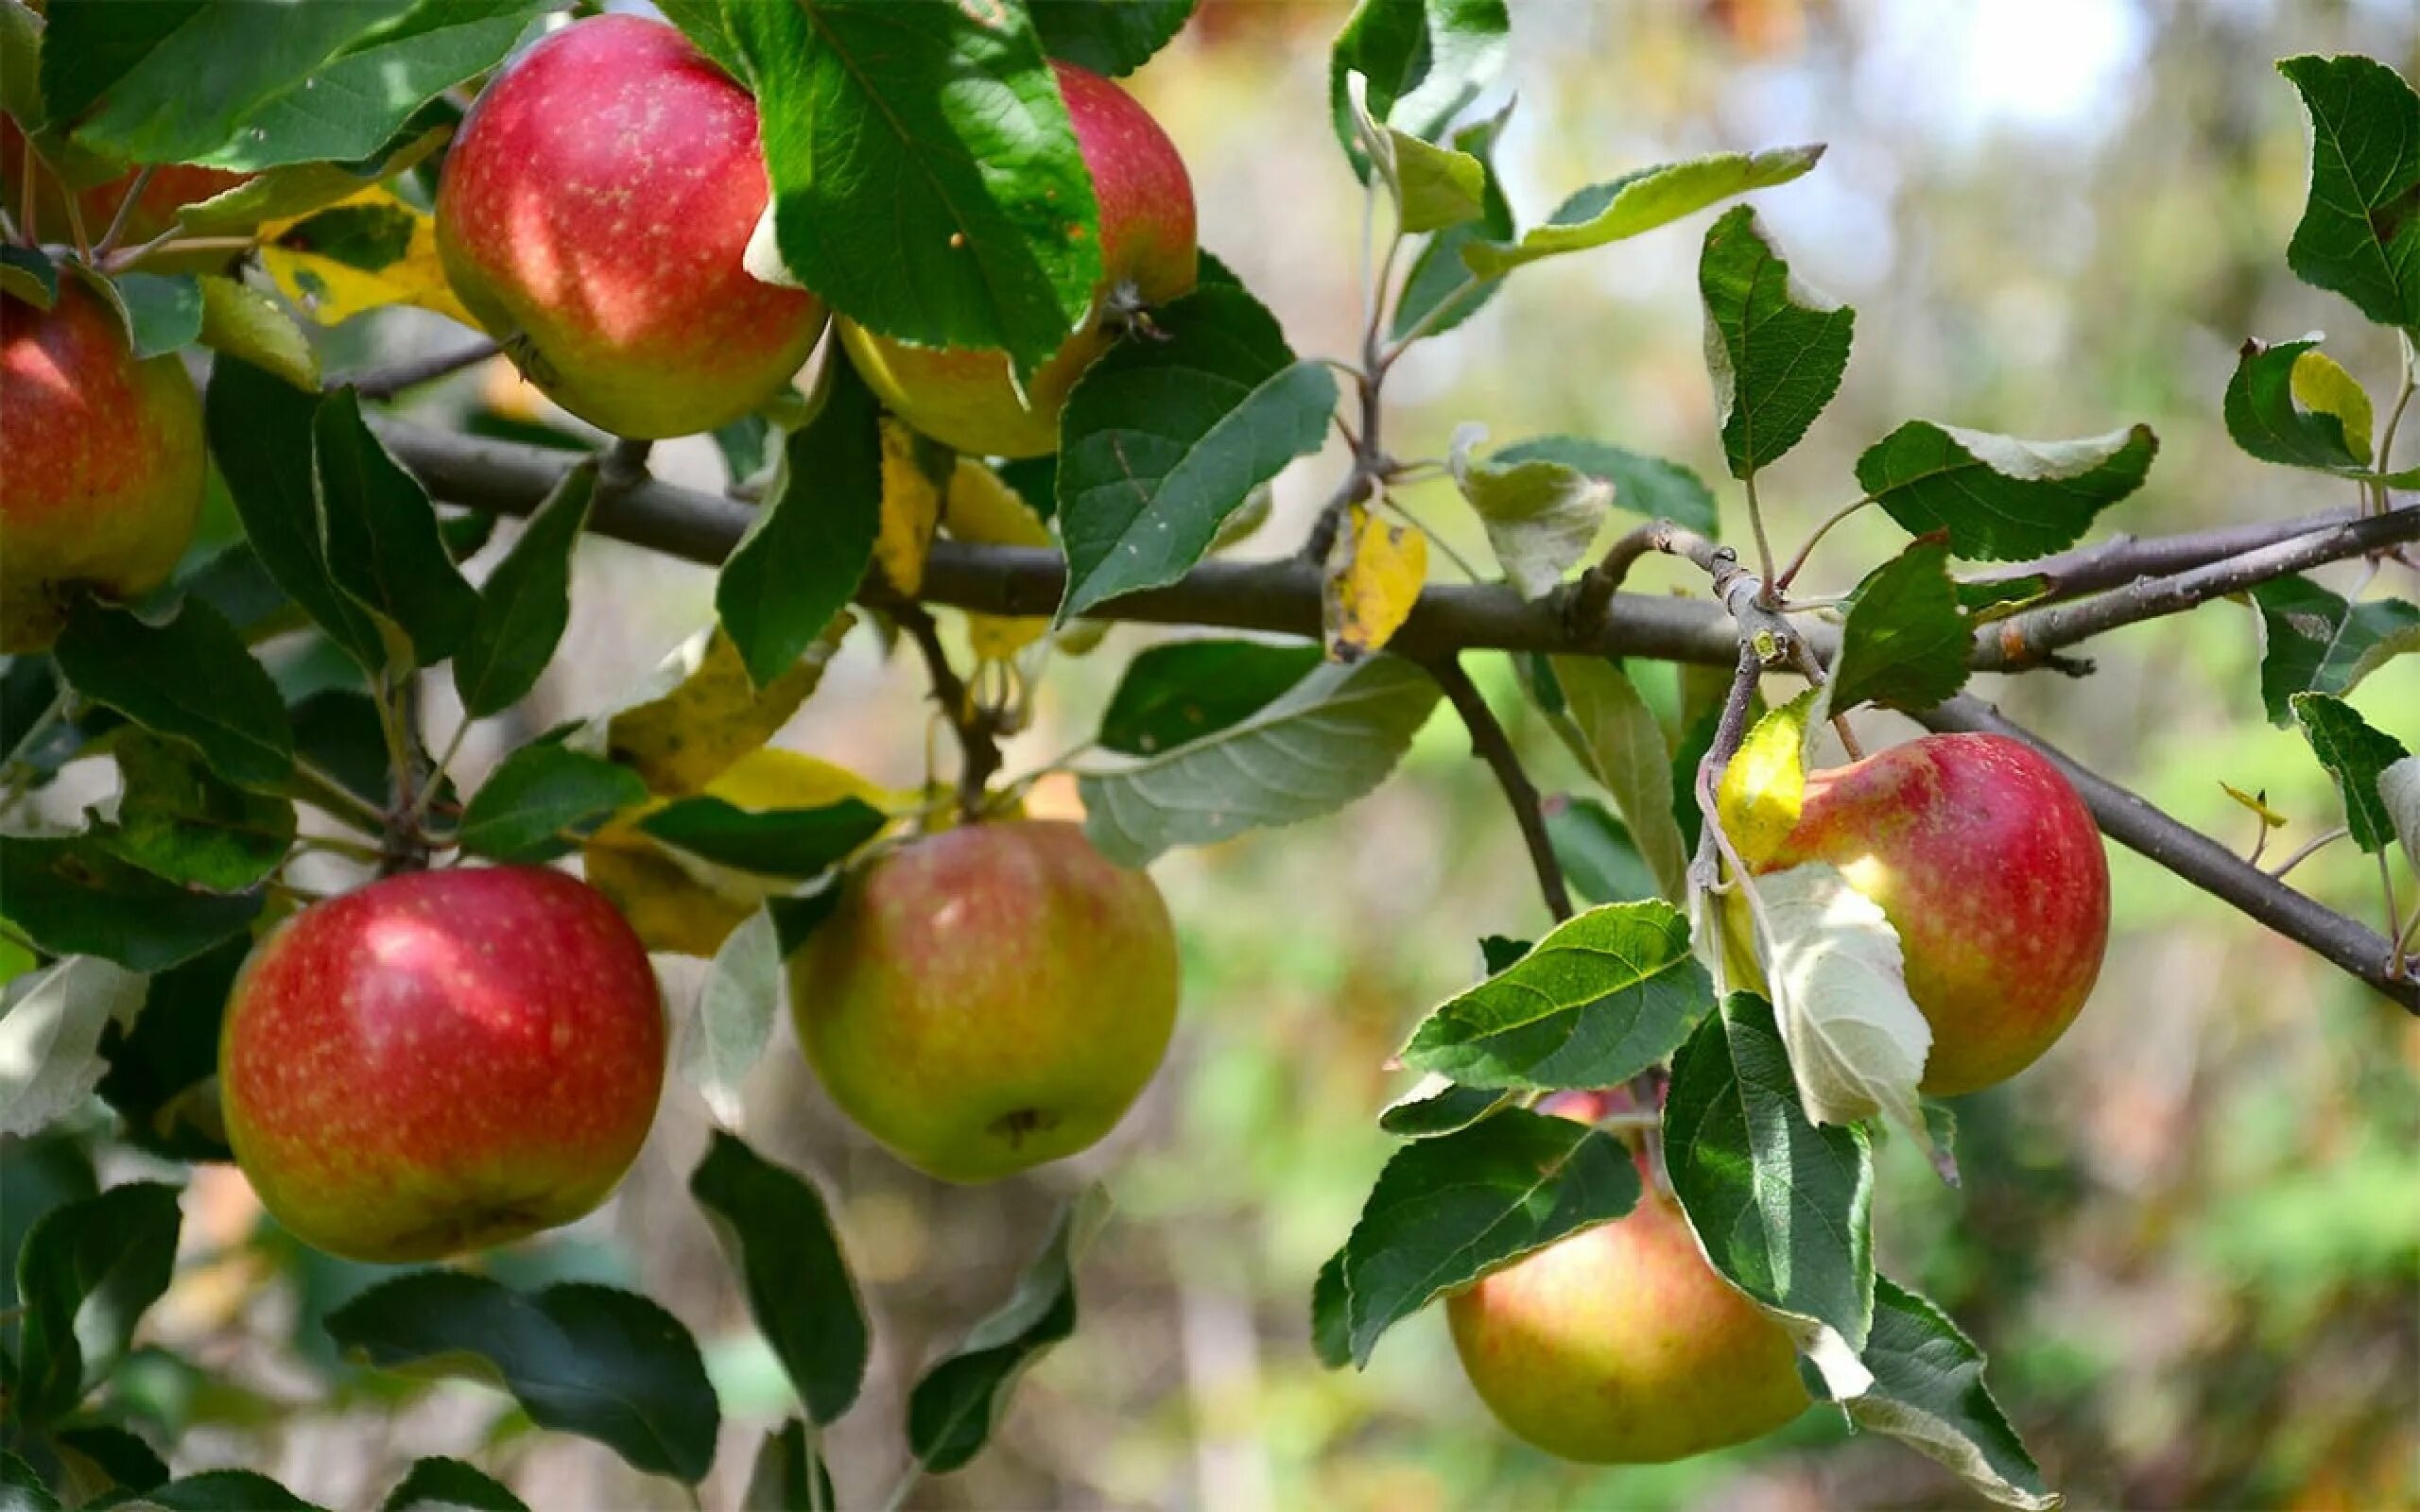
[1490, 743]
[1790, 574]
[978, 747]
[386, 383]
[2308, 849]
[125, 211]
[2394, 916]
[1756, 525]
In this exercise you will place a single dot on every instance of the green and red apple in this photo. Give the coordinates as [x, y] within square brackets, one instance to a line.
[1619, 1344]
[989, 998]
[105, 465]
[592, 216]
[964, 397]
[1989, 866]
[441, 1061]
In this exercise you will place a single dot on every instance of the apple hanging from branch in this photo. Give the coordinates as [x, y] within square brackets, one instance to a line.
[989, 998]
[592, 216]
[441, 1061]
[966, 398]
[104, 463]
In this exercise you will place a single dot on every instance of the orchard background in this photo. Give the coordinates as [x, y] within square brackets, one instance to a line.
[2186, 1238]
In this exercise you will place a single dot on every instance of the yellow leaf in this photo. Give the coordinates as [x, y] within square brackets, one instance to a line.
[332, 288]
[1764, 785]
[775, 779]
[983, 508]
[2324, 387]
[911, 507]
[683, 740]
[2257, 803]
[1373, 578]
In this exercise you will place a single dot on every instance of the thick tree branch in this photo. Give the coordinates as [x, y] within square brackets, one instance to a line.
[386, 383]
[1284, 598]
[1490, 743]
[2200, 860]
[2122, 558]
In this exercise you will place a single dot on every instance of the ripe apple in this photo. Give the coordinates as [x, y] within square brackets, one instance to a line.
[441, 1061]
[964, 397]
[1989, 866]
[1619, 1344]
[989, 998]
[592, 216]
[105, 469]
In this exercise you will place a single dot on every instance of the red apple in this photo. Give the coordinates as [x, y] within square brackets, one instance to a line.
[965, 398]
[104, 464]
[592, 216]
[989, 998]
[441, 1061]
[1989, 866]
[1619, 1344]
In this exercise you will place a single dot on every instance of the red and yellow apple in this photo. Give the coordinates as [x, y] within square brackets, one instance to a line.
[989, 998]
[1619, 1344]
[592, 216]
[1989, 866]
[104, 471]
[441, 1061]
[965, 397]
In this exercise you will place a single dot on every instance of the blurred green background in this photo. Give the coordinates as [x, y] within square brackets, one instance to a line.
[2190, 1237]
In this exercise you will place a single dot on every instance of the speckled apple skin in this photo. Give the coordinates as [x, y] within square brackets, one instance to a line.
[441, 1061]
[101, 464]
[964, 397]
[1989, 866]
[593, 214]
[989, 998]
[1620, 1345]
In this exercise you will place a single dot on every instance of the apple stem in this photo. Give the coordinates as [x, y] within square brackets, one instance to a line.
[116, 228]
[1848, 737]
[28, 223]
[2394, 916]
[2307, 848]
[975, 725]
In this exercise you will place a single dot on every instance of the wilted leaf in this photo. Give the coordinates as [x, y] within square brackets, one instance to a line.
[1375, 577]
[1857, 1040]
[1764, 787]
[51, 1024]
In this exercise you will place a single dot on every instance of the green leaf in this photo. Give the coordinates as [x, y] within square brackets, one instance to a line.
[73, 898]
[1597, 856]
[1784, 1210]
[244, 323]
[986, 219]
[582, 1359]
[183, 825]
[21, 1490]
[525, 603]
[1432, 188]
[702, 22]
[1541, 515]
[720, 1042]
[260, 437]
[1426, 61]
[1438, 275]
[356, 104]
[1928, 1393]
[1446, 1211]
[437, 1484]
[88, 1271]
[1436, 1107]
[1113, 37]
[788, 1475]
[1184, 689]
[53, 1021]
[303, 188]
[161, 1076]
[1326, 740]
[540, 793]
[1905, 642]
[1601, 997]
[224, 1491]
[108, 1458]
[2359, 235]
[1776, 348]
[2001, 498]
[1332, 1315]
[2355, 753]
[188, 678]
[336, 730]
[954, 1405]
[2314, 642]
[28, 273]
[1646, 486]
[804, 553]
[2264, 419]
[769, 842]
[21, 64]
[1645, 199]
[1617, 738]
[382, 541]
[163, 312]
[1164, 438]
[774, 1225]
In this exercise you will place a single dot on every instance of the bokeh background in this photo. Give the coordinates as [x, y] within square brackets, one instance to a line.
[2190, 1237]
